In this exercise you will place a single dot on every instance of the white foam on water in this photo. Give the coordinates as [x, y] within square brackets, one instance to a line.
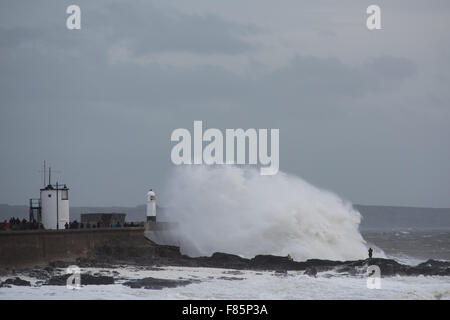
[405, 259]
[236, 210]
[253, 285]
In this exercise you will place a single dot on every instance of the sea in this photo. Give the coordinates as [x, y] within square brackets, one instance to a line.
[405, 246]
[238, 211]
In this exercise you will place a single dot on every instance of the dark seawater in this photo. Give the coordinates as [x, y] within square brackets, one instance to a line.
[411, 245]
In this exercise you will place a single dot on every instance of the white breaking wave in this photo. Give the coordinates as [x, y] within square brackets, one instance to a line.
[210, 284]
[236, 210]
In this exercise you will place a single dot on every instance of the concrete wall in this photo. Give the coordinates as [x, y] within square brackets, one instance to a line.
[106, 218]
[38, 247]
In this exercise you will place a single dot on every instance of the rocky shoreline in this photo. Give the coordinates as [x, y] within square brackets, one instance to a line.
[154, 257]
[54, 273]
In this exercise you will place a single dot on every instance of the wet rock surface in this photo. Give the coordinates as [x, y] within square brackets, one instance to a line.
[156, 284]
[146, 255]
[388, 267]
[233, 272]
[311, 271]
[86, 279]
[15, 282]
[40, 274]
[230, 278]
[171, 256]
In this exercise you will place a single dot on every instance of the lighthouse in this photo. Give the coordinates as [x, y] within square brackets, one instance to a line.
[151, 206]
[55, 206]
[52, 207]
[159, 232]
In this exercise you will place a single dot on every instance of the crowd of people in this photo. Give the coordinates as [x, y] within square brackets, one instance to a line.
[100, 224]
[17, 224]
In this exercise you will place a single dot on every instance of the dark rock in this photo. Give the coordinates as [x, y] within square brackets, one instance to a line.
[58, 280]
[49, 269]
[327, 275]
[94, 262]
[352, 271]
[230, 278]
[171, 252]
[223, 260]
[15, 282]
[154, 268]
[281, 272]
[431, 268]
[86, 279]
[311, 271]
[144, 253]
[40, 274]
[344, 269]
[322, 265]
[269, 262]
[389, 267]
[59, 264]
[156, 284]
[138, 252]
[233, 272]
[434, 264]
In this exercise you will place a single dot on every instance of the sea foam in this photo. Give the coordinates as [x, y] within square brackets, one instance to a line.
[236, 210]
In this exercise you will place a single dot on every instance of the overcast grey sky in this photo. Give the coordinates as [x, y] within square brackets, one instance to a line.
[363, 113]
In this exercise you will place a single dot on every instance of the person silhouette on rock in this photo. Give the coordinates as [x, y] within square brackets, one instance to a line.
[370, 253]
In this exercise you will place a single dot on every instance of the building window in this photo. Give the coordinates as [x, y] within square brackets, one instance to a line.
[65, 195]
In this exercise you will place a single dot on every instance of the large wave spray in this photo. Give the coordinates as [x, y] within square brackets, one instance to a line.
[236, 210]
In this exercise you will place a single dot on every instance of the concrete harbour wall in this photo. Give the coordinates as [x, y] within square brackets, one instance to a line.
[38, 247]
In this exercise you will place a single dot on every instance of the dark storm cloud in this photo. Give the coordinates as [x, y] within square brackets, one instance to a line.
[146, 29]
[13, 37]
[391, 68]
[303, 79]
[57, 64]
[60, 64]
[100, 106]
[311, 76]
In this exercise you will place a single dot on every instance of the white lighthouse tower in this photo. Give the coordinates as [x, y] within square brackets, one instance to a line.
[151, 206]
[54, 205]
